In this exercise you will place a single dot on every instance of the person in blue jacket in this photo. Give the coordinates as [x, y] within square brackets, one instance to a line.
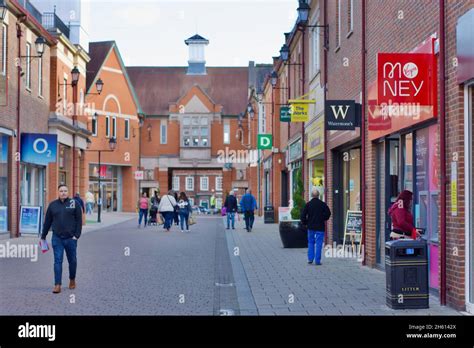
[248, 204]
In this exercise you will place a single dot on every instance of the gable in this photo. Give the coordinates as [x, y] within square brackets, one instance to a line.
[195, 101]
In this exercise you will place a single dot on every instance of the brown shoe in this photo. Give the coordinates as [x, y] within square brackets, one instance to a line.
[72, 284]
[57, 289]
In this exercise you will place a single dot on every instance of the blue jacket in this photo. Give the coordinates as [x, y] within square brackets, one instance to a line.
[248, 202]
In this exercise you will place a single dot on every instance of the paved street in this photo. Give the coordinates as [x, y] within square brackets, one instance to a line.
[209, 271]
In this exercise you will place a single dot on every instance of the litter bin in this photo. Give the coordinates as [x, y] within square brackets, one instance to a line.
[269, 215]
[406, 268]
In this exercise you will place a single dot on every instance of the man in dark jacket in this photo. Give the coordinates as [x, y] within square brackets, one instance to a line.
[248, 204]
[64, 215]
[230, 205]
[314, 215]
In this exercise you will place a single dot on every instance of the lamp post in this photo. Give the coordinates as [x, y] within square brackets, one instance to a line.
[112, 146]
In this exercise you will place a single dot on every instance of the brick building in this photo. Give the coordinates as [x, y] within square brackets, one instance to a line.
[115, 113]
[24, 112]
[195, 120]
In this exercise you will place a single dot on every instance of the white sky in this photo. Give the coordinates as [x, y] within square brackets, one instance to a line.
[152, 32]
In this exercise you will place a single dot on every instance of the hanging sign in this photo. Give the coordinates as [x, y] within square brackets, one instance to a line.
[299, 109]
[340, 114]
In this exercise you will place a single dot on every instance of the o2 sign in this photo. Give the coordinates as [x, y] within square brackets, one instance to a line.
[38, 148]
[407, 78]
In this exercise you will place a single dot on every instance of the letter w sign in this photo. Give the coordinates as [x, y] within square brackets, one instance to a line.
[340, 114]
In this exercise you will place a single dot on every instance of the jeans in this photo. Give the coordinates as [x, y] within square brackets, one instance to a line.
[183, 218]
[142, 213]
[59, 245]
[176, 217]
[318, 238]
[249, 219]
[169, 216]
[90, 207]
[230, 218]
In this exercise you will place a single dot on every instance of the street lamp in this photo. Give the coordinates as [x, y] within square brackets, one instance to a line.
[273, 78]
[303, 12]
[75, 76]
[39, 44]
[284, 52]
[3, 11]
[250, 111]
[112, 147]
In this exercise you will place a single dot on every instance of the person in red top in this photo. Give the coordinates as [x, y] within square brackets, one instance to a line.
[402, 218]
[143, 212]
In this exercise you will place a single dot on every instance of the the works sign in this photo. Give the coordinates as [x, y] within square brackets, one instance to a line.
[340, 115]
[405, 83]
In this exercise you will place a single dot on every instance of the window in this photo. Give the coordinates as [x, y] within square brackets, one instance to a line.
[28, 65]
[189, 183]
[204, 183]
[226, 133]
[315, 51]
[40, 76]
[4, 48]
[107, 126]
[338, 24]
[219, 183]
[94, 125]
[114, 127]
[350, 16]
[127, 129]
[195, 131]
[163, 132]
[65, 95]
[175, 183]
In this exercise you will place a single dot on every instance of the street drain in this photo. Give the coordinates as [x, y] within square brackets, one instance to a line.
[225, 284]
[223, 312]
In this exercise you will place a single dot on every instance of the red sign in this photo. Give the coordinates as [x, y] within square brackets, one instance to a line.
[103, 171]
[405, 78]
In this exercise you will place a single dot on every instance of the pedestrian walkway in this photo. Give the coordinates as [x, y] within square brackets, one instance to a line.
[107, 219]
[282, 283]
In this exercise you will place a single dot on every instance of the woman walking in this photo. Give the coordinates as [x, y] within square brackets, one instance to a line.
[184, 211]
[143, 210]
[176, 210]
[167, 208]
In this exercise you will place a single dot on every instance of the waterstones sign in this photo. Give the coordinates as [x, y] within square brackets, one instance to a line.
[341, 114]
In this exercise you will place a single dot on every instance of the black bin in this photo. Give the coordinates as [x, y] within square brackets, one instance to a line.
[269, 215]
[406, 268]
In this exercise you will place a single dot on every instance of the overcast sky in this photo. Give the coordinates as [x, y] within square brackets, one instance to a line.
[152, 32]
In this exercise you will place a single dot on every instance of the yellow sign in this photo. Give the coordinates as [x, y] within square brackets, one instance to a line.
[315, 136]
[454, 189]
[299, 109]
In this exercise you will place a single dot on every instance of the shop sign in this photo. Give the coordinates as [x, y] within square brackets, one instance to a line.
[315, 136]
[38, 148]
[265, 142]
[340, 114]
[295, 151]
[284, 214]
[30, 219]
[299, 109]
[139, 175]
[285, 114]
[353, 229]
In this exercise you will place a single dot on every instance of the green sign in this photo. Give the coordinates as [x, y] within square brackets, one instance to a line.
[285, 115]
[265, 142]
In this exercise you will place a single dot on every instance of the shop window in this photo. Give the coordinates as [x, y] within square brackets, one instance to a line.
[4, 151]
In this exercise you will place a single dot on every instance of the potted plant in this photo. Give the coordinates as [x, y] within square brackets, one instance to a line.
[292, 233]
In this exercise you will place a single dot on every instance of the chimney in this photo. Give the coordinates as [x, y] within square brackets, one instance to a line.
[196, 61]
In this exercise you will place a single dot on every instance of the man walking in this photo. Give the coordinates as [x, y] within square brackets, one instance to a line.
[314, 215]
[230, 205]
[64, 215]
[248, 204]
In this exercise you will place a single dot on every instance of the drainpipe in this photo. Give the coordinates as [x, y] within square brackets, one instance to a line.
[362, 130]
[18, 132]
[74, 156]
[302, 124]
[325, 82]
[442, 145]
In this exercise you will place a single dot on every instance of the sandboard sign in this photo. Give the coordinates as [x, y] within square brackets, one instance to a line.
[353, 228]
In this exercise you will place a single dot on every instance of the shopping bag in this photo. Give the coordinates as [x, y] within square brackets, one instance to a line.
[159, 219]
[191, 221]
[224, 211]
[43, 245]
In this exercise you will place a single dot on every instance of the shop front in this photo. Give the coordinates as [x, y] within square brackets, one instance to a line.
[5, 187]
[110, 186]
[315, 155]
[294, 164]
[465, 79]
[405, 137]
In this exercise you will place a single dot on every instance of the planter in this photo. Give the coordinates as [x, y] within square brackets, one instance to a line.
[293, 234]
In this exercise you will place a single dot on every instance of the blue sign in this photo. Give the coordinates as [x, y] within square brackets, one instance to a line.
[38, 148]
[30, 219]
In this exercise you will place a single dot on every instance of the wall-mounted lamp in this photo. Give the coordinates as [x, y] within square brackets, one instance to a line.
[99, 85]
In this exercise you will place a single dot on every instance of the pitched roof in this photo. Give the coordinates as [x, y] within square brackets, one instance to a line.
[196, 37]
[99, 52]
[157, 87]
